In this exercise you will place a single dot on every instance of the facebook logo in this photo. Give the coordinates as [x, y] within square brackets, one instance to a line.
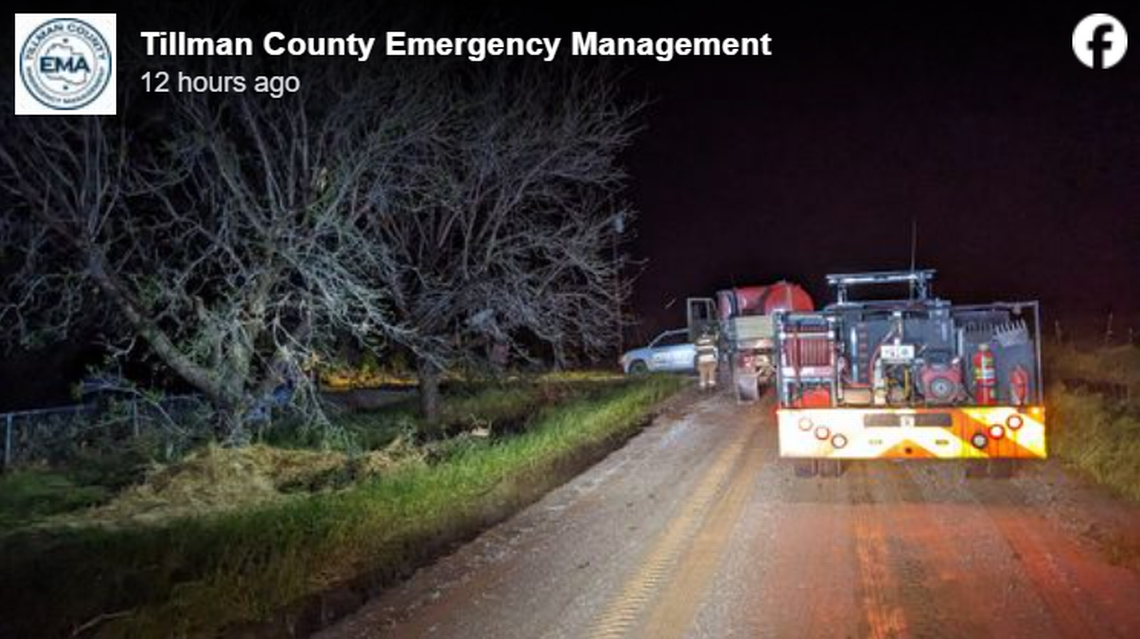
[1100, 41]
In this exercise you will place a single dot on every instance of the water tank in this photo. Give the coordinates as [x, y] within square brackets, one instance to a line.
[763, 300]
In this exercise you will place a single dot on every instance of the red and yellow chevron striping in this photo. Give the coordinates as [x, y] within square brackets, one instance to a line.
[997, 432]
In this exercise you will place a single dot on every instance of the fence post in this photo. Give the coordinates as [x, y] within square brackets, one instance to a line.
[8, 440]
[135, 416]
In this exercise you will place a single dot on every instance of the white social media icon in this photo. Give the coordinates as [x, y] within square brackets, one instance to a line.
[1100, 41]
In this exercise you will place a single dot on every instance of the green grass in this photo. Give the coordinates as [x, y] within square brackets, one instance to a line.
[28, 496]
[498, 406]
[1098, 435]
[202, 574]
[1094, 414]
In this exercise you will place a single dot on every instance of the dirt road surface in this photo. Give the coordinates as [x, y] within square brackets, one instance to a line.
[696, 529]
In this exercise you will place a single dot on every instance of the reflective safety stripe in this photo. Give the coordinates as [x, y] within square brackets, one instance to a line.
[706, 352]
[878, 433]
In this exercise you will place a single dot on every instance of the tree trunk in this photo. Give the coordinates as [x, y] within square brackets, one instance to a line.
[430, 401]
[230, 426]
[559, 356]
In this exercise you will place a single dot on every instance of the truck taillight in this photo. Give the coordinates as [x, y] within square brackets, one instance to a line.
[997, 431]
[839, 441]
[979, 440]
[1014, 421]
[822, 433]
[805, 424]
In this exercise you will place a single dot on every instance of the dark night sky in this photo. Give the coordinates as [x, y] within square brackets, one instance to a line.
[1020, 166]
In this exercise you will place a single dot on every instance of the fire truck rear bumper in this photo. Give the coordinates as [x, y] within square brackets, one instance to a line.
[981, 432]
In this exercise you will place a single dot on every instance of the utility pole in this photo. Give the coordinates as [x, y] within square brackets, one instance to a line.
[619, 228]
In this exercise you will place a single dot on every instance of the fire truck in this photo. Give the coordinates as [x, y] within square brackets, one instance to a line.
[908, 376]
[742, 320]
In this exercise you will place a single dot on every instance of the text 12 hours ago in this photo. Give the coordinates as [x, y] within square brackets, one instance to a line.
[275, 86]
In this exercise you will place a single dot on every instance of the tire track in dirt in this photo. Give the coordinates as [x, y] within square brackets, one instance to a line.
[878, 585]
[673, 612]
[490, 564]
[624, 612]
[803, 584]
[940, 548]
[1021, 571]
[824, 614]
[924, 554]
[699, 529]
[1080, 590]
[1050, 582]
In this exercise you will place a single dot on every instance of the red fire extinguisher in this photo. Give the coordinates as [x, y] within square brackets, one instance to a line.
[985, 376]
[1019, 386]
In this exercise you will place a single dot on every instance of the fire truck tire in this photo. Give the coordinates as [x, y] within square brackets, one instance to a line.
[991, 468]
[806, 468]
[977, 468]
[1003, 468]
[830, 467]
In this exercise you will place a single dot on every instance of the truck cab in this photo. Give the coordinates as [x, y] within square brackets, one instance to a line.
[742, 319]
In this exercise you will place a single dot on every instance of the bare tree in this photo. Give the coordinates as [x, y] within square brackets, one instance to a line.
[506, 227]
[224, 231]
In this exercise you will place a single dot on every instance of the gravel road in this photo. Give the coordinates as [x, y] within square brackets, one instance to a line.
[696, 529]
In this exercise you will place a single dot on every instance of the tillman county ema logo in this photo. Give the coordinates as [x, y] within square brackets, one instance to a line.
[66, 64]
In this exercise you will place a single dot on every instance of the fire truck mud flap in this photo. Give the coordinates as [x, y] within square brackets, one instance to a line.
[747, 387]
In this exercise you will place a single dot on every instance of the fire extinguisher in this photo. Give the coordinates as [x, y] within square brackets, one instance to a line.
[985, 376]
[1019, 386]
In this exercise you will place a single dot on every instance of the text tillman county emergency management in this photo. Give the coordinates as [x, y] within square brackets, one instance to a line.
[475, 49]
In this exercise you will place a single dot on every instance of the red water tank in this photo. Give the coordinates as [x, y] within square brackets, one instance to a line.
[763, 300]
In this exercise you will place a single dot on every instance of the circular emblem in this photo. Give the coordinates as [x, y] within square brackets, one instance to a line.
[65, 64]
[1100, 41]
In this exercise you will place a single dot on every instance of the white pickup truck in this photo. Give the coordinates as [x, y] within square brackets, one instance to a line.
[670, 351]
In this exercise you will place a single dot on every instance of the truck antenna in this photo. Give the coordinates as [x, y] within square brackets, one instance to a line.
[913, 250]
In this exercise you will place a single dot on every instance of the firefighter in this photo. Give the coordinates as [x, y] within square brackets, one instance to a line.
[706, 360]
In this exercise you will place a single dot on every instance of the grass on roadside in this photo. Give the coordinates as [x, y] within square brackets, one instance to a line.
[30, 495]
[1095, 431]
[33, 494]
[129, 488]
[1115, 366]
[1099, 435]
[506, 406]
[198, 575]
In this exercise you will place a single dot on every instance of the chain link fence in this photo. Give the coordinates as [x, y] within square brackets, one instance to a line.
[55, 435]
